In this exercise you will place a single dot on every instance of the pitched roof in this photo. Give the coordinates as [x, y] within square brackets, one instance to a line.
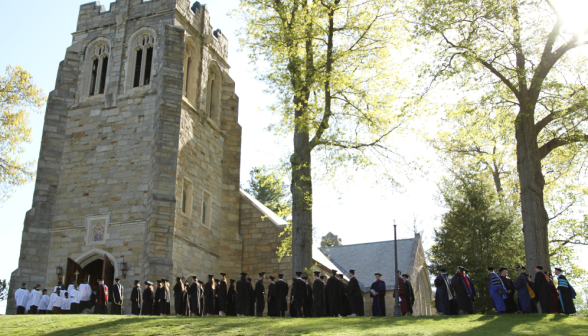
[370, 258]
[277, 220]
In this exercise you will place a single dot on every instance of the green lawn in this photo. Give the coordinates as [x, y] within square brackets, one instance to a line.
[471, 325]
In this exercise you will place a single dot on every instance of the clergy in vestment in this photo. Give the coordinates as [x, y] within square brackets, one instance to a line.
[157, 299]
[282, 295]
[509, 302]
[307, 306]
[178, 295]
[345, 308]
[44, 303]
[272, 295]
[402, 295]
[378, 293]
[524, 291]
[136, 298]
[148, 297]
[318, 295]
[102, 298]
[409, 294]
[333, 296]
[232, 299]
[221, 294]
[243, 304]
[117, 297]
[497, 291]
[443, 293]
[355, 296]
[209, 295]
[542, 290]
[566, 293]
[194, 297]
[34, 299]
[463, 291]
[21, 296]
[259, 294]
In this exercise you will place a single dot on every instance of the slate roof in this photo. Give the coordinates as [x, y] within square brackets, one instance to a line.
[370, 258]
[277, 220]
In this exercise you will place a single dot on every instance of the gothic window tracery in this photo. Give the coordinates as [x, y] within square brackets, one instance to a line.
[97, 66]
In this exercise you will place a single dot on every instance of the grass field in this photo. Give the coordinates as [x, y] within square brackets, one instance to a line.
[471, 325]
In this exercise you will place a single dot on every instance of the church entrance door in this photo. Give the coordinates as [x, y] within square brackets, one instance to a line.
[108, 275]
[73, 273]
[98, 268]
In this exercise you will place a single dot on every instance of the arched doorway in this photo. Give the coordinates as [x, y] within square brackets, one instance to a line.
[92, 268]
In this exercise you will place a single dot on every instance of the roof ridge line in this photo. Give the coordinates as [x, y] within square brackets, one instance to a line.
[383, 241]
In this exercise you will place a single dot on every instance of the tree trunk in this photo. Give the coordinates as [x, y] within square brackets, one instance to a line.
[301, 189]
[532, 183]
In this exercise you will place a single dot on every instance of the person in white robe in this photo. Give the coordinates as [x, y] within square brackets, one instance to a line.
[21, 296]
[85, 296]
[74, 298]
[66, 303]
[34, 299]
[55, 302]
[44, 303]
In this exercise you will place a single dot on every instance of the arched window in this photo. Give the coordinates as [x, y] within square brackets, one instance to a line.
[191, 70]
[188, 76]
[96, 67]
[140, 59]
[213, 93]
[211, 98]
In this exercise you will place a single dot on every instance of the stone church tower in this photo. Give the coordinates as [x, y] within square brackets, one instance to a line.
[138, 173]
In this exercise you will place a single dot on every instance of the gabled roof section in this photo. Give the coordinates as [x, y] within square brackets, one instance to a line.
[319, 257]
[370, 258]
[277, 220]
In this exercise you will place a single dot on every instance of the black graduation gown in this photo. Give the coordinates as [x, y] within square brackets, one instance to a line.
[216, 308]
[156, 301]
[293, 312]
[542, 292]
[355, 297]
[510, 303]
[185, 302]
[565, 295]
[201, 298]
[272, 300]
[209, 298]
[299, 294]
[464, 301]
[259, 297]
[251, 299]
[379, 301]
[243, 304]
[194, 297]
[345, 309]
[308, 303]
[178, 298]
[409, 295]
[136, 301]
[148, 297]
[318, 291]
[332, 291]
[231, 301]
[282, 297]
[164, 301]
[221, 292]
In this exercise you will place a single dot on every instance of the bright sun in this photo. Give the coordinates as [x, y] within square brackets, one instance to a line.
[574, 13]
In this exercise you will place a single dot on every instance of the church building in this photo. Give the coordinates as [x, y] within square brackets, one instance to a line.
[138, 171]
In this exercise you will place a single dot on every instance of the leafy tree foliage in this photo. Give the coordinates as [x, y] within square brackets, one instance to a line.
[17, 92]
[266, 187]
[476, 232]
[4, 285]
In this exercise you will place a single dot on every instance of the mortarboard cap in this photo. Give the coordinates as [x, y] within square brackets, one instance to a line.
[461, 268]
[194, 277]
[116, 279]
[178, 278]
[558, 269]
[333, 271]
[232, 281]
[223, 274]
[442, 269]
[378, 274]
[490, 268]
[244, 274]
[137, 281]
[317, 273]
[261, 274]
[298, 273]
[272, 278]
[521, 268]
[352, 271]
[539, 267]
[281, 276]
[501, 269]
[322, 277]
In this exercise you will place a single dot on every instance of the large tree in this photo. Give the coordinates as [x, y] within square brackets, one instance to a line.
[329, 63]
[269, 189]
[523, 47]
[17, 93]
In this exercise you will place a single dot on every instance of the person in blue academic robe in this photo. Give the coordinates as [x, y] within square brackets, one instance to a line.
[496, 291]
[378, 293]
[474, 293]
[443, 294]
[566, 293]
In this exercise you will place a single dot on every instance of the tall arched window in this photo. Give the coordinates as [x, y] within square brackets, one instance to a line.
[140, 59]
[191, 70]
[211, 98]
[187, 80]
[213, 92]
[96, 67]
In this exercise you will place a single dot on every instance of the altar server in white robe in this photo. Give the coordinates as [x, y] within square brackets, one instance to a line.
[74, 298]
[85, 296]
[55, 301]
[22, 299]
[35, 299]
[66, 303]
[44, 303]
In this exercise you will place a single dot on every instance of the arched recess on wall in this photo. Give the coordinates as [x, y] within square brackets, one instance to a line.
[191, 70]
[96, 254]
[140, 59]
[96, 66]
[213, 91]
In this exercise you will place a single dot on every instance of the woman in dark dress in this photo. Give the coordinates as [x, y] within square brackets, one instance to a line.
[164, 299]
[148, 297]
[209, 296]
[186, 300]
[221, 293]
[178, 296]
[231, 299]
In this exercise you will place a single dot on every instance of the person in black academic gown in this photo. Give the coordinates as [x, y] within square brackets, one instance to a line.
[282, 295]
[156, 299]
[148, 297]
[293, 312]
[443, 293]
[178, 296]
[164, 298]
[299, 294]
[409, 294]
[216, 306]
[186, 300]
[318, 294]
[378, 293]
[463, 291]
[194, 297]
[117, 297]
[243, 297]
[308, 304]
[345, 307]
[251, 298]
[209, 296]
[542, 290]
[136, 299]
[566, 293]
[202, 299]
[332, 293]
[221, 294]
[272, 301]
[231, 299]
[259, 294]
[509, 302]
[355, 296]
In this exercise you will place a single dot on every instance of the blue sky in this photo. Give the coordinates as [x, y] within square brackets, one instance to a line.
[358, 211]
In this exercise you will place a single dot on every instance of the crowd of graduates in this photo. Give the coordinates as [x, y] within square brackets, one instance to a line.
[217, 297]
[455, 295]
